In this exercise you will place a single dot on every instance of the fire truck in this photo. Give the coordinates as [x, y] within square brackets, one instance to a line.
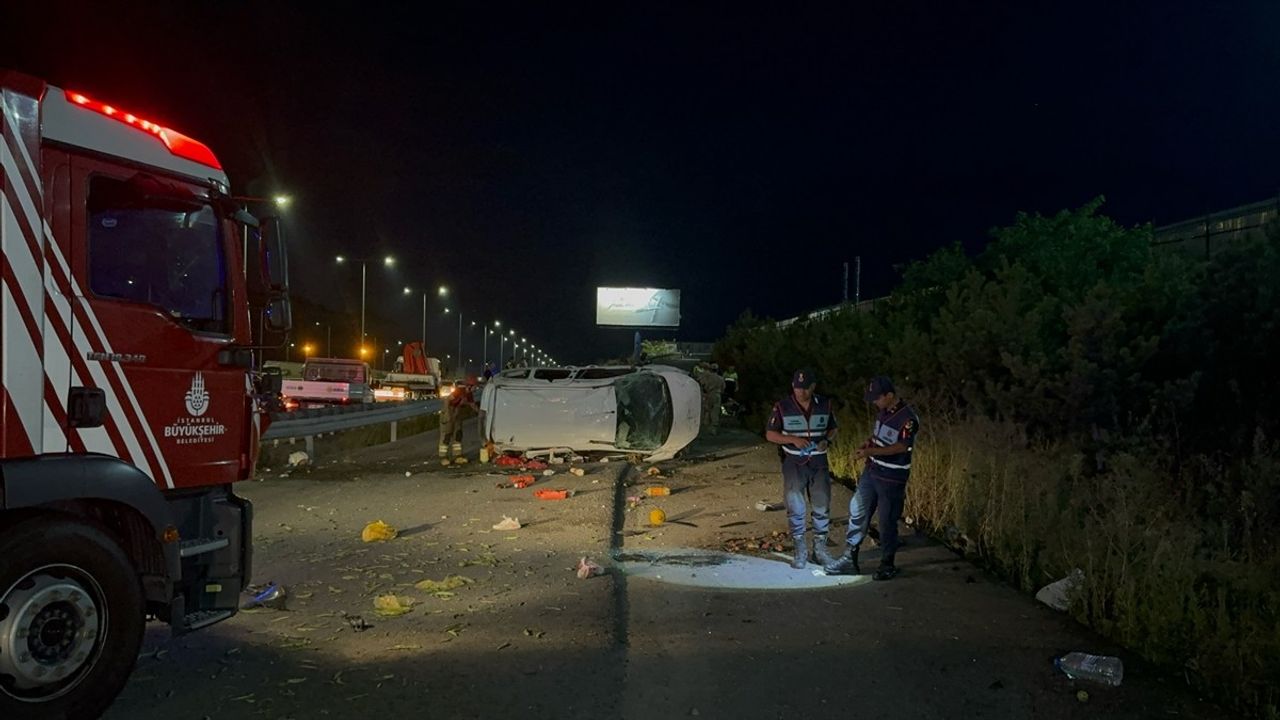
[134, 291]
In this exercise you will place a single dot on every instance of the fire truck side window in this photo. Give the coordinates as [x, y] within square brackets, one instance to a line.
[161, 249]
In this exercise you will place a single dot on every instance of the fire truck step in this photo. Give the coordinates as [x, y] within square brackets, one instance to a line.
[200, 546]
[201, 618]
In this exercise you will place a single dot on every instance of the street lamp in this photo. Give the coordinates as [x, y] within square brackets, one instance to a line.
[280, 201]
[387, 261]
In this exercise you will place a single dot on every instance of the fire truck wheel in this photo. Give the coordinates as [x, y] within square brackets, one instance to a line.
[71, 619]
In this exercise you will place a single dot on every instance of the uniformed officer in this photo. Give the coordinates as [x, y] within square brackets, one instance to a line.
[803, 425]
[883, 484]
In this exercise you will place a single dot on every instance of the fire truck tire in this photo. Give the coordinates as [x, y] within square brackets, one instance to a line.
[71, 620]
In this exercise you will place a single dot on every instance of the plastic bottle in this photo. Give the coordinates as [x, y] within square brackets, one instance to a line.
[1096, 668]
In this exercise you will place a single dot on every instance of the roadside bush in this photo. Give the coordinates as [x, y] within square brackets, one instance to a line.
[1087, 404]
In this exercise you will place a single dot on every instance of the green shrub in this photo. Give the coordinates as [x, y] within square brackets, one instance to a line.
[1085, 404]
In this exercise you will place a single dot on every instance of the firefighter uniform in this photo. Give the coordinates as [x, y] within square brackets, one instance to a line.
[712, 389]
[457, 409]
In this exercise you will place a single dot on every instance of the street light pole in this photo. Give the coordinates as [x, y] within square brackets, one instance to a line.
[461, 357]
[362, 286]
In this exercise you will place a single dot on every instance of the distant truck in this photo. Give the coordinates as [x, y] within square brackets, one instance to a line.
[331, 381]
[414, 377]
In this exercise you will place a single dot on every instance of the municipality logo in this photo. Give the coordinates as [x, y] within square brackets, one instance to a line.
[197, 397]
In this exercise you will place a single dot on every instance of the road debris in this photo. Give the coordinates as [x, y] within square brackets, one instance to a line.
[443, 588]
[657, 517]
[549, 494]
[392, 605]
[775, 541]
[357, 623]
[508, 523]
[377, 531]
[577, 471]
[1057, 595]
[587, 569]
[548, 473]
[298, 459]
[766, 506]
[657, 491]
[271, 596]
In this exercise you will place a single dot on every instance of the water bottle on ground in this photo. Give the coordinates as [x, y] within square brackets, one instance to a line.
[1102, 669]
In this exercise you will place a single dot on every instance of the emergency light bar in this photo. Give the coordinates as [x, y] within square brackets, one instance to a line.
[177, 143]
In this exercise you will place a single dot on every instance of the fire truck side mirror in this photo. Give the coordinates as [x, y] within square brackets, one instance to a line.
[279, 315]
[275, 256]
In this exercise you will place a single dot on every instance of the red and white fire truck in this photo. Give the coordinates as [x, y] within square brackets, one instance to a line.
[134, 291]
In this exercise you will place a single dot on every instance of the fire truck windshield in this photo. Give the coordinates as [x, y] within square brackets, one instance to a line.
[162, 249]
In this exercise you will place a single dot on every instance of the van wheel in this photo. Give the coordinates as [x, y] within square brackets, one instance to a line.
[71, 620]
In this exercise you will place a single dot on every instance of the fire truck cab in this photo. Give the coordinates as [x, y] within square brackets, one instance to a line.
[132, 287]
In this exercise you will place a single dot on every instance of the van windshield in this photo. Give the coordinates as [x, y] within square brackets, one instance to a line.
[333, 372]
[644, 411]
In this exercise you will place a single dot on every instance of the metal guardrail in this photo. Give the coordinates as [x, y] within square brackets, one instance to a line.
[317, 421]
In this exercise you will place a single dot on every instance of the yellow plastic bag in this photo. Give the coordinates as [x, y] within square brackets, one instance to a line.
[392, 605]
[377, 531]
[451, 582]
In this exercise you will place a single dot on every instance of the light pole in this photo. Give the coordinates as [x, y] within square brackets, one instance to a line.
[388, 261]
[441, 292]
[328, 346]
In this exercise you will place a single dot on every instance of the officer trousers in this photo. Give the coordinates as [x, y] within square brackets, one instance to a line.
[876, 493]
[807, 479]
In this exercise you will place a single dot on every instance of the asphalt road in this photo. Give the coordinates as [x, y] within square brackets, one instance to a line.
[526, 638]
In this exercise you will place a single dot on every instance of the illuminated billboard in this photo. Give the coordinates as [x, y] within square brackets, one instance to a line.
[637, 307]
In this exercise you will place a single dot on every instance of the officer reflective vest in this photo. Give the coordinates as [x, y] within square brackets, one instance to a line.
[897, 424]
[815, 423]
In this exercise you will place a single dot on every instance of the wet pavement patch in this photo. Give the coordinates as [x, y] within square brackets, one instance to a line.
[726, 571]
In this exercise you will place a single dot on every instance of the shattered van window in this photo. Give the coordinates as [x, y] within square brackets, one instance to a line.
[551, 373]
[597, 373]
[644, 411]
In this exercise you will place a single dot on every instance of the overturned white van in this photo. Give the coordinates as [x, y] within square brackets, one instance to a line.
[652, 411]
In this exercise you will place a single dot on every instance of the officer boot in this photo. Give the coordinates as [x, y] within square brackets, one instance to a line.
[443, 450]
[846, 564]
[455, 450]
[801, 557]
[820, 554]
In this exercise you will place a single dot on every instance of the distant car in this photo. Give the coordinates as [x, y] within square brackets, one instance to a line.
[653, 411]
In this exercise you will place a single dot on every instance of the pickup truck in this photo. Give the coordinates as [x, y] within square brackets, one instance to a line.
[331, 381]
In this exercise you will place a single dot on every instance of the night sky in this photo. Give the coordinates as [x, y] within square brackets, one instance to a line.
[524, 156]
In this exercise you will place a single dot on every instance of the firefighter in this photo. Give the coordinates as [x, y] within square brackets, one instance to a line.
[458, 408]
[731, 383]
[712, 387]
